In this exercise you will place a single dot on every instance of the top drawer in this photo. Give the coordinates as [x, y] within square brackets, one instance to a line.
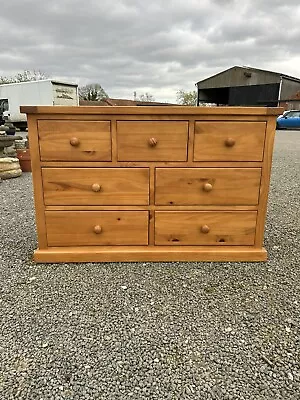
[74, 140]
[229, 141]
[152, 140]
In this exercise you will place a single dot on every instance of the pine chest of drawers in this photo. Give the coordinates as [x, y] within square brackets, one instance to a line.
[150, 183]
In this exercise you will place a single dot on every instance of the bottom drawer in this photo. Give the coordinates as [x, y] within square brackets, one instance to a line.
[94, 228]
[205, 227]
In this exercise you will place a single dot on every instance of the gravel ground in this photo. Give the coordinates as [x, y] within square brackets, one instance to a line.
[153, 330]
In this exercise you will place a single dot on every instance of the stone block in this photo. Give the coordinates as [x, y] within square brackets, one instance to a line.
[9, 168]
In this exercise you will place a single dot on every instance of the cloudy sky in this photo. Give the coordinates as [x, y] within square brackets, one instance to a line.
[155, 46]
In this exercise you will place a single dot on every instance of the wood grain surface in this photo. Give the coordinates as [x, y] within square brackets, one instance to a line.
[217, 228]
[75, 140]
[229, 141]
[152, 140]
[91, 228]
[75, 186]
[187, 186]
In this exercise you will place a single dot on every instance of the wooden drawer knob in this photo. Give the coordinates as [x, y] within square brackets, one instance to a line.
[205, 229]
[97, 229]
[207, 187]
[96, 187]
[152, 142]
[229, 142]
[74, 141]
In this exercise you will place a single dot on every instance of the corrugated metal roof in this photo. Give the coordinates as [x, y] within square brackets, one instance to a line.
[251, 69]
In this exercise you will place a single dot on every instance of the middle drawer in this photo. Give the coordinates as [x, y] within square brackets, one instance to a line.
[207, 186]
[96, 186]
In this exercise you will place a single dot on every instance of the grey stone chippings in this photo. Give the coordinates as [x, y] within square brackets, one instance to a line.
[153, 330]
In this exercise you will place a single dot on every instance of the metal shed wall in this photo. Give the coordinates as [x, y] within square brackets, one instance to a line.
[238, 76]
[288, 89]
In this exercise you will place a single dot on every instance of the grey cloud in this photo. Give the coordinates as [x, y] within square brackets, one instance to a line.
[162, 45]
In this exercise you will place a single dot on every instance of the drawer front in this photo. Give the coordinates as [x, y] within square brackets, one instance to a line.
[74, 140]
[96, 186]
[92, 228]
[216, 186]
[229, 141]
[152, 140]
[205, 228]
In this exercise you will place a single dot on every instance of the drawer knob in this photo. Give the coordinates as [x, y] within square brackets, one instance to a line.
[207, 187]
[97, 229]
[152, 142]
[96, 187]
[205, 229]
[74, 141]
[229, 142]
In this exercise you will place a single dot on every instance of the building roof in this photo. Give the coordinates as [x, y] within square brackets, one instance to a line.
[121, 102]
[41, 80]
[252, 69]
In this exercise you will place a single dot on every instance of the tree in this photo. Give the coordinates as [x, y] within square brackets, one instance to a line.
[92, 92]
[24, 76]
[187, 98]
[147, 97]
[27, 76]
[4, 80]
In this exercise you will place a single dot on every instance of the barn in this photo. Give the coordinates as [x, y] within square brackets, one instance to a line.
[247, 86]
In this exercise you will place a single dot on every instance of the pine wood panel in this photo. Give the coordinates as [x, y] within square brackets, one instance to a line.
[191, 140]
[169, 164]
[226, 186]
[205, 228]
[265, 181]
[153, 116]
[152, 140]
[75, 140]
[91, 228]
[149, 253]
[153, 207]
[96, 186]
[113, 143]
[37, 181]
[84, 111]
[229, 141]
